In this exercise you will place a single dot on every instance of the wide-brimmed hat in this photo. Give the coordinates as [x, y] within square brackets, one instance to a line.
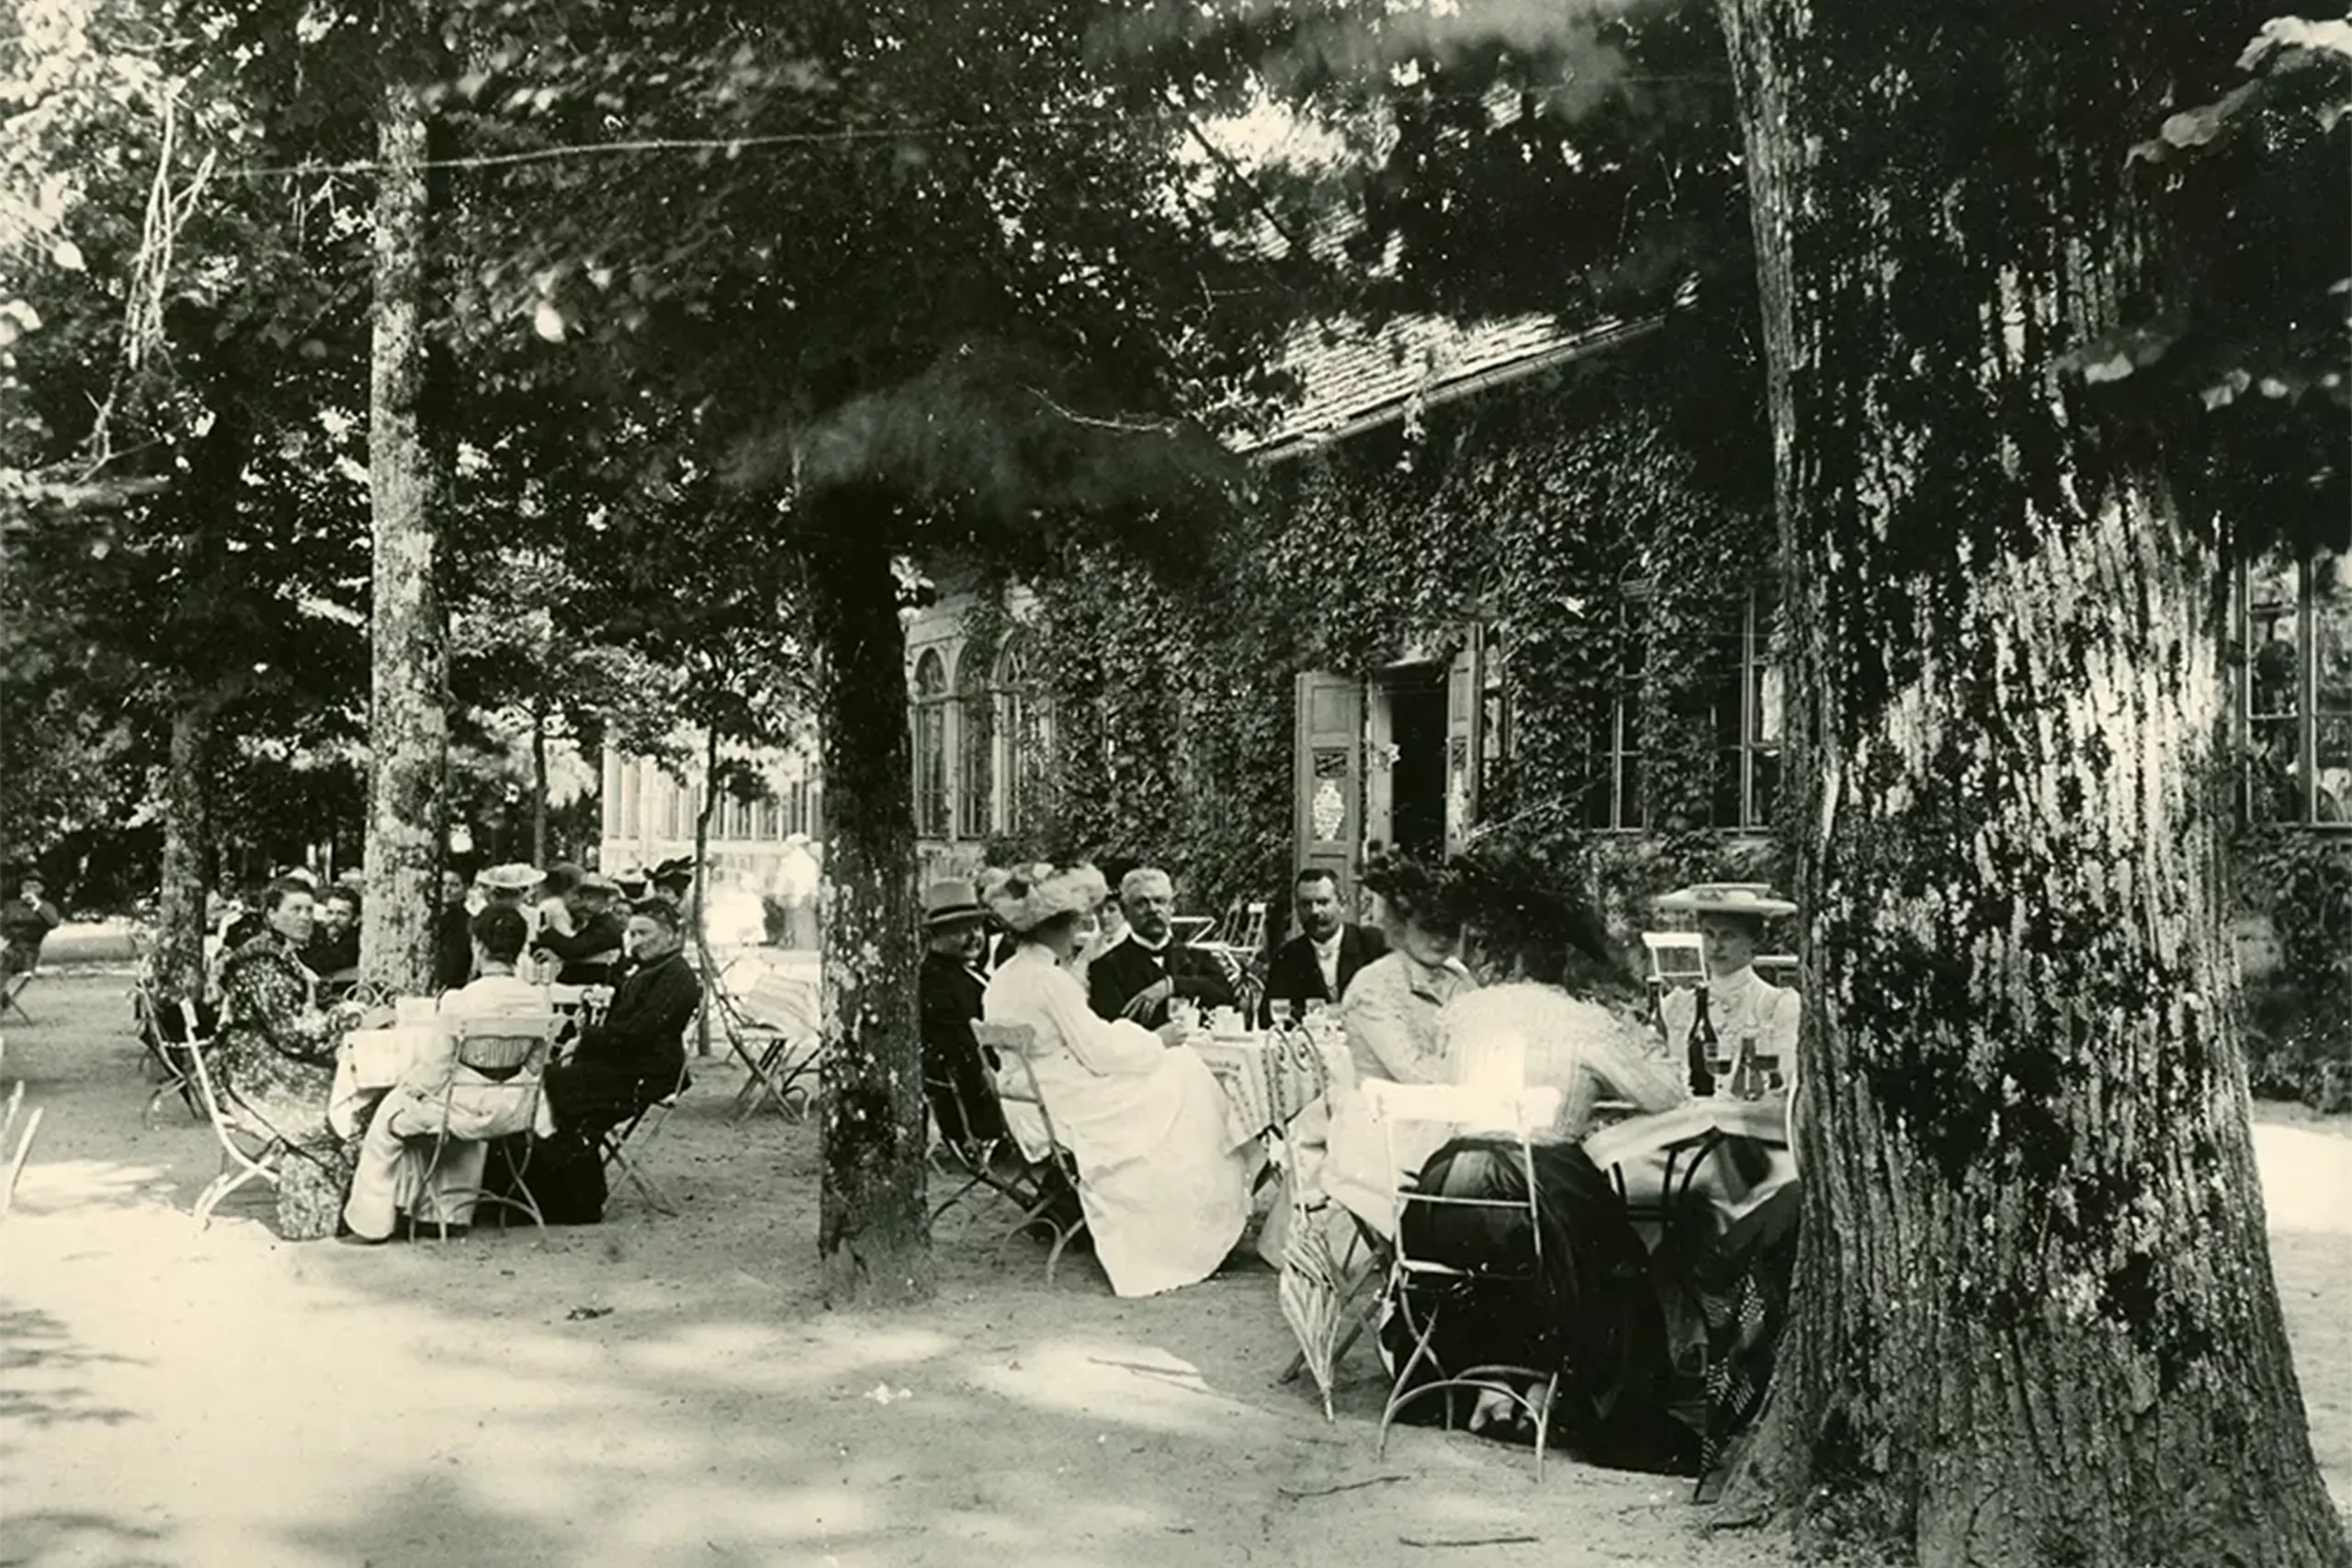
[1754, 898]
[513, 878]
[596, 882]
[1036, 894]
[950, 903]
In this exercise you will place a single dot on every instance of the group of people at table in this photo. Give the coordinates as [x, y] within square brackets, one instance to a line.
[1167, 1180]
[356, 1156]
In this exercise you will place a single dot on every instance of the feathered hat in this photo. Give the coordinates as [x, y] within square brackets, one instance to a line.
[1032, 895]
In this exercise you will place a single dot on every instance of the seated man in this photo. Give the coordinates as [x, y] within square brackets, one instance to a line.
[24, 923]
[1136, 977]
[1317, 964]
[954, 1077]
[475, 1108]
[638, 1054]
[333, 951]
[591, 950]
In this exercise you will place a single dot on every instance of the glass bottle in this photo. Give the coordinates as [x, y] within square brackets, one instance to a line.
[1701, 1046]
[1746, 1076]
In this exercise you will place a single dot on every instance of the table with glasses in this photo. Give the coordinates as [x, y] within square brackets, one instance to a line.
[1654, 1159]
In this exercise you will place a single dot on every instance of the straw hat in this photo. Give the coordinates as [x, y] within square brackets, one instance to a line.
[1754, 898]
[950, 903]
[1036, 894]
[514, 877]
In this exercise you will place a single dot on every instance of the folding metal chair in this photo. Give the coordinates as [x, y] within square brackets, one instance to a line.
[788, 1013]
[244, 1156]
[1421, 1288]
[153, 1020]
[12, 987]
[1017, 1085]
[510, 1052]
[24, 1145]
[622, 1146]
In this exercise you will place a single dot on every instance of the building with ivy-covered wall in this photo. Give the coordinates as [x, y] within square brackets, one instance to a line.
[1502, 584]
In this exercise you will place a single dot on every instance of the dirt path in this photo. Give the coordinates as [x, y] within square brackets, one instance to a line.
[666, 1391]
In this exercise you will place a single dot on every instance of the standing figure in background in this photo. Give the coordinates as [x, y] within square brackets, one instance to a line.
[453, 947]
[589, 951]
[333, 951]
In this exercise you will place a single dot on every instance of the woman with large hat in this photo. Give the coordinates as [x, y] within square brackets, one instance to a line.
[1740, 1002]
[1163, 1179]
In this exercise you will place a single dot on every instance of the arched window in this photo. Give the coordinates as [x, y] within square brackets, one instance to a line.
[1025, 722]
[976, 720]
[931, 745]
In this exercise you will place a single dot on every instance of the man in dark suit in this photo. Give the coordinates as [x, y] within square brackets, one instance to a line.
[948, 989]
[1317, 964]
[591, 951]
[1136, 977]
[638, 1054]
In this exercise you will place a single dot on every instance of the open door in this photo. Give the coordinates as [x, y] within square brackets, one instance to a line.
[1328, 778]
[1466, 691]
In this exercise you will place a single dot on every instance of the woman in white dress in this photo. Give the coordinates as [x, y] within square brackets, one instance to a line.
[1164, 1180]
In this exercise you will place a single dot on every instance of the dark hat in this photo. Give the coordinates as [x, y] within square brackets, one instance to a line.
[949, 903]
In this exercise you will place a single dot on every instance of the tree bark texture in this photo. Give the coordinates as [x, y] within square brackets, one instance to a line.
[873, 1239]
[177, 966]
[408, 726]
[2036, 1321]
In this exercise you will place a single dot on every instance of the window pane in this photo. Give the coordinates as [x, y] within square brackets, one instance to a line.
[1765, 724]
[2331, 580]
[977, 809]
[2272, 687]
[1724, 797]
[1764, 786]
[2274, 784]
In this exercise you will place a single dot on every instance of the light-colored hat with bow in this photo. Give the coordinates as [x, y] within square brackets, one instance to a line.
[1751, 899]
[514, 877]
[1036, 894]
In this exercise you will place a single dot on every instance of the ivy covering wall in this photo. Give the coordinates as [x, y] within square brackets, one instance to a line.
[1570, 515]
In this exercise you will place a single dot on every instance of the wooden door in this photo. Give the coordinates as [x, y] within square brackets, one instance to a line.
[1329, 775]
[1465, 680]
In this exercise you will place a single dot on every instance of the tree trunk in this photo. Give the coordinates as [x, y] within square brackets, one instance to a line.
[407, 728]
[2036, 1321]
[178, 969]
[701, 887]
[873, 1239]
[538, 789]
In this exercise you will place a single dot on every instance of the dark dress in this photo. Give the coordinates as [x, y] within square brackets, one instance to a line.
[589, 954]
[453, 947]
[632, 1058]
[954, 1075]
[276, 1056]
[1129, 966]
[1662, 1357]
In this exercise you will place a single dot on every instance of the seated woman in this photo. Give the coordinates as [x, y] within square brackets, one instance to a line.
[446, 1096]
[1589, 1312]
[1164, 1183]
[276, 1057]
[1390, 1013]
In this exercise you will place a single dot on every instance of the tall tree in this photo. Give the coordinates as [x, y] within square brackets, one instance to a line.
[408, 731]
[2036, 1321]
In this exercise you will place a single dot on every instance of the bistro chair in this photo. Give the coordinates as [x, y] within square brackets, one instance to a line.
[12, 988]
[983, 1164]
[155, 1023]
[245, 1156]
[788, 1014]
[511, 1053]
[24, 1145]
[1017, 1085]
[1422, 1288]
[623, 1145]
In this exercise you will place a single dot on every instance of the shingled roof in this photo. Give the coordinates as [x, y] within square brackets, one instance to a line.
[1352, 379]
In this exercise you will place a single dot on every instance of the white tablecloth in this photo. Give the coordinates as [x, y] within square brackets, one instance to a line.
[373, 1060]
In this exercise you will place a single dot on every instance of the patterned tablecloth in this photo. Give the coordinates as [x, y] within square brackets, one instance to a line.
[1270, 1079]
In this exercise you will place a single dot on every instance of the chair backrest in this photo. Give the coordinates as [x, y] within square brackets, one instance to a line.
[775, 1000]
[1676, 956]
[504, 1042]
[1515, 1113]
[1017, 1080]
